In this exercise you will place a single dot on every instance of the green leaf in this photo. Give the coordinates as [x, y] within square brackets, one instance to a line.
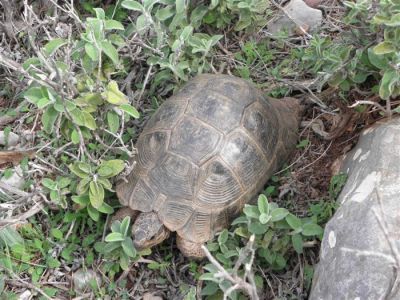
[251, 211]
[132, 5]
[57, 233]
[124, 261]
[165, 13]
[100, 14]
[278, 214]
[113, 95]
[209, 289]
[130, 110]
[83, 185]
[125, 226]
[112, 24]
[128, 247]
[208, 277]
[105, 183]
[297, 242]
[75, 137]
[89, 121]
[141, 23]
[111, 168]
[113, 121]
[63, 182]
[258, 228]
[49, 118]
[96, 194]
[394, 20]
[53, 45]
[105, 209]
[92, 51]
[50, 184]
[180, 6]
[312, 229]
[384, 48]
[35, 94]
[264, 218]
[114, 237]
[43, 103]
[223, 237]
[93, 213]
[77, 117]
[53, 263]
[293, 221]
[96, 26]
[54, 196]
[81, 199]
[388, 82]
[263, 205]
[116, 226]
[77, 171]
[109, 247]
[110, 51]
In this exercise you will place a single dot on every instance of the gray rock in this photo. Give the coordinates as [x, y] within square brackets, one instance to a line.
[17, 178]
[12, 140]
[82, 279]
[296, 13]
[362, 241]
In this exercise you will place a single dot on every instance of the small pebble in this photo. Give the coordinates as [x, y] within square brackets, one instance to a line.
[81, 279]
[12, 140]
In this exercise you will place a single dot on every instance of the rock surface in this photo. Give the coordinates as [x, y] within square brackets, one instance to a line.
[11, 140]
[82, 279]
[362, 240]
[17, 178]
[297, 13]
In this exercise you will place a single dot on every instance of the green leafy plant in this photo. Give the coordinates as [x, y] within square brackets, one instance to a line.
[244, 14]
[94, 180]
[179, 49]
[119, 243]
[276, 232]
[368, 51]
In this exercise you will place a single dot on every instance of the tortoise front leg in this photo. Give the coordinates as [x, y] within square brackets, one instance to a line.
[190, 249]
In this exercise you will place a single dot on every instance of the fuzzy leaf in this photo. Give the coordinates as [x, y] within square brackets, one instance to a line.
[297, 242]
[312, 229]
[92, 51]
[111, 168]
[384, 48]
[130, 110]
[279, 214]
[113, 95]
[53, 45]
[113, 121]
[110, 51]
[96, 194]
[132, 5]
[114, 237]
[112, 24]
[128, 247]
[293, 221]
[50, 184]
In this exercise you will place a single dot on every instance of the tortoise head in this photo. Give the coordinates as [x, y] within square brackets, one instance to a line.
[148, 231]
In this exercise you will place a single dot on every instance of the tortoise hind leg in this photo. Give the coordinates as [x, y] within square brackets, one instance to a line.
[122, 213]
[190, 249]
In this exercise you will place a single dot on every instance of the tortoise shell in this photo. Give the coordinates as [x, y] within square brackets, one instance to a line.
[206, 152]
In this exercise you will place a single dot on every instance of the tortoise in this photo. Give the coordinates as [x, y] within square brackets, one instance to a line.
[204, 154]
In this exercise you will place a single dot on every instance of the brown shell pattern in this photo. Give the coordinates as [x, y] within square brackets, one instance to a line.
[206, 152]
